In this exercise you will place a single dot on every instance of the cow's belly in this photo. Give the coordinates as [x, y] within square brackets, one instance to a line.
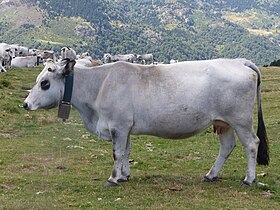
[176, 125]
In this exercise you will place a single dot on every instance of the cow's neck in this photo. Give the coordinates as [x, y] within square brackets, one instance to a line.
[85, 90]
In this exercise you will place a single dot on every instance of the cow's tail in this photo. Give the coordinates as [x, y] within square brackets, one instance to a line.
[263, 150]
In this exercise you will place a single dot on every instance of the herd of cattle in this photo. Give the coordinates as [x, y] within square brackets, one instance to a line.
[16, 56]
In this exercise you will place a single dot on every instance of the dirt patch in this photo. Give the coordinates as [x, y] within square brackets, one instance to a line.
[7, 135]
[7, 186]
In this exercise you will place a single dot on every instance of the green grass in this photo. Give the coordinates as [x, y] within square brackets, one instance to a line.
[48, 164]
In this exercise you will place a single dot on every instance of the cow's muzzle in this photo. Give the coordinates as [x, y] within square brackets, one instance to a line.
[25, 106]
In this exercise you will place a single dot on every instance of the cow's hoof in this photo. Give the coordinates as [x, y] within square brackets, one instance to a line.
[124, 179]
[246, 184]
[110, 184]
[207, 179]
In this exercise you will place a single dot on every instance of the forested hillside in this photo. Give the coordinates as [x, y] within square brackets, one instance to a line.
[170, 29]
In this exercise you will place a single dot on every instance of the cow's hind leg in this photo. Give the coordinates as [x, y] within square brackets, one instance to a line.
[227, 144]
[250, 141]
[121, 147]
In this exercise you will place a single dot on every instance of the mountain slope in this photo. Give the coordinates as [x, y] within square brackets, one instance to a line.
[170, 29]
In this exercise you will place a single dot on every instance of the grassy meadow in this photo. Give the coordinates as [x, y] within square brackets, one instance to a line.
[48, 164]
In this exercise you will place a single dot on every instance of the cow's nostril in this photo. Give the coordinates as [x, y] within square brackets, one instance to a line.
[25, 105]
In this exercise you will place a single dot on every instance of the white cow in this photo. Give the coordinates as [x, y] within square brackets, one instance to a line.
[168, 100]
[23, 51]
[84, 54]
[145, 59]
[15, 49]
[67, 52]
[85, 62]
[108, 58]
[20, 50]
[173, 61]
[46, 54]
[24, 62]
[32, 52]
[6, 54]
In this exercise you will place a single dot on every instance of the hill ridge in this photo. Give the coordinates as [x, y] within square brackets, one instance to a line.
[170, 29]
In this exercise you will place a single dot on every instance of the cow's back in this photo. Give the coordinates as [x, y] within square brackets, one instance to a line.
[164, 97]
[168, 100]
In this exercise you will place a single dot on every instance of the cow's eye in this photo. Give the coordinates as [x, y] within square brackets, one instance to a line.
[45, 84]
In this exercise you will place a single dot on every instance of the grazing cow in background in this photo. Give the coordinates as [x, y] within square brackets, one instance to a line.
[173, 61]
[32, 52]
[36, 52]
[44, 54]
[108, 58]
[145, 59]
[6, 54]
[86, 62]
[20, 50]
[24, 62]
[15, 49]
[167, 100]
[23, 51]
[67, 52]
[85, 54]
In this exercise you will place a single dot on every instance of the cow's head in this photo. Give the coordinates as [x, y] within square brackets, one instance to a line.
[48, 91]
[32, 52]
[14, 51]
[9, 53]
[107, 58]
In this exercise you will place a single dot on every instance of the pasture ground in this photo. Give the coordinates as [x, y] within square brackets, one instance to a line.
[48, 164]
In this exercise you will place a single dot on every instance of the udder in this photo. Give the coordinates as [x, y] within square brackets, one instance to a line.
[220, 127]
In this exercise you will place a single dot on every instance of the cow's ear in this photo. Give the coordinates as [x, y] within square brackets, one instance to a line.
[69, 67]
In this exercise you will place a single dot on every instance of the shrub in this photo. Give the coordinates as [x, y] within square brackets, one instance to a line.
[275, 63]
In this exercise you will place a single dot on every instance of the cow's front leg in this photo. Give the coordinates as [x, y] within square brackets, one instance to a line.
[2, 69]
[121, 169]
[125, 165]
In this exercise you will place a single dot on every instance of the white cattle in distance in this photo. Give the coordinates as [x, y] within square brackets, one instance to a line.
[32, 51]
[67, 52]
[173, 61]
[46, 54]
[24, 62]
[7, 52]
[87, 62]
[85, 54]
[108, 58]
[23, 51]
[15, 48]
[145, 59]
[20, 50]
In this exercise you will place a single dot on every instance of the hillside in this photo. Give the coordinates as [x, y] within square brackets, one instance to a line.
[170, 29]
